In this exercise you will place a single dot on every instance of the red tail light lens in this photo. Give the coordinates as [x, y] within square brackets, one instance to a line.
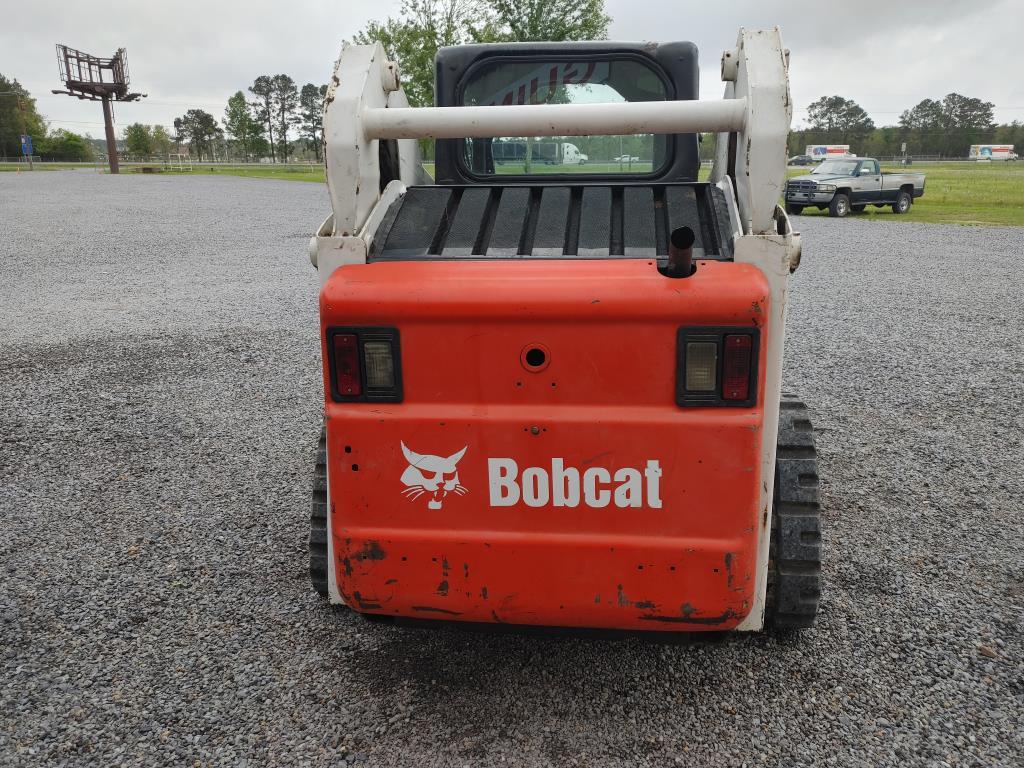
[736, 367]
[347, 379]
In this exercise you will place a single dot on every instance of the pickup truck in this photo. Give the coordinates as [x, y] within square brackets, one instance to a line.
[852, 184]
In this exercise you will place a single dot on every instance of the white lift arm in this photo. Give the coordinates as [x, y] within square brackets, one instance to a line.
[556, 120]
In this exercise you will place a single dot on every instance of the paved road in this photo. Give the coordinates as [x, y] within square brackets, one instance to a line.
[159, 401]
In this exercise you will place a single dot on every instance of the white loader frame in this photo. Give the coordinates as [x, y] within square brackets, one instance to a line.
[365, 105]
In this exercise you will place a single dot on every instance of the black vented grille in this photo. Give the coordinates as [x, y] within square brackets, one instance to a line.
[802, 186]
[581, 221]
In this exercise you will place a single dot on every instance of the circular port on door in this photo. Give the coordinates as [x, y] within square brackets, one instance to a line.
[535, 357]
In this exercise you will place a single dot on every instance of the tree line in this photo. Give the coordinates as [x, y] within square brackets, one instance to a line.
[19, 116]
[250, 130]
[944, 127]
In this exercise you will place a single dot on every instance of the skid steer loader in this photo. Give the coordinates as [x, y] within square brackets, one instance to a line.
[552, 391]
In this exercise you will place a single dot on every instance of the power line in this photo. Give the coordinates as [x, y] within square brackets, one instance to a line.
[168, 103]
[76, 122]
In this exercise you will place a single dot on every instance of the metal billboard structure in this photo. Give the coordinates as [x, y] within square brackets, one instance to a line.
[94, 79]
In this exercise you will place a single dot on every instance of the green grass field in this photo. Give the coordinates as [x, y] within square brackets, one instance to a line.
[303, 172]
[539, 169]
[955, 193]
[297, 172]
[14, 167]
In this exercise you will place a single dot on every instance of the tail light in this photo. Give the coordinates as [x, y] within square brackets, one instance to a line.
[736, 367]
[701, 366]
[347, 378]
[717, 367]
[365, 365]
[380, 364]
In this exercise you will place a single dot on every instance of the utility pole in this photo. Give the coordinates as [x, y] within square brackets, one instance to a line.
[108, 127]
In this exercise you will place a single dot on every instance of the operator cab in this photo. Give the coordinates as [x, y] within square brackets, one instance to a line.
[566, 73]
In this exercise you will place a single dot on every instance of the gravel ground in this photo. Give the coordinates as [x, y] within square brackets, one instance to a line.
[159, 374]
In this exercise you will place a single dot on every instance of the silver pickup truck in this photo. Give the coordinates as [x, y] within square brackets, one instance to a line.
[852, 184]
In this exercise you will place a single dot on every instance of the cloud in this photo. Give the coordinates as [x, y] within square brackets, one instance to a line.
[196, 54]
[886, 59]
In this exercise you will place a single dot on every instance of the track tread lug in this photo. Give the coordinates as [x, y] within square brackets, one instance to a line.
[318, 520]
[794, 575]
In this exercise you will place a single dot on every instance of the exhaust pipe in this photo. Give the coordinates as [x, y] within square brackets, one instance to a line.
[680, 253]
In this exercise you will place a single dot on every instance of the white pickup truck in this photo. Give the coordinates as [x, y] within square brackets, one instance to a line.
[852, 184]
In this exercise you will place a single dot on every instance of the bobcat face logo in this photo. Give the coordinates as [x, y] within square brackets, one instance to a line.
[434, 475]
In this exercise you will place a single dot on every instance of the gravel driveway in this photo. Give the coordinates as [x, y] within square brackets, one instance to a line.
[159, 376]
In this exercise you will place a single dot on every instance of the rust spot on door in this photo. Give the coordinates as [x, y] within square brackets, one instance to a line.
[371, 551]
[368, 603]
[702, 620]
[432, 609]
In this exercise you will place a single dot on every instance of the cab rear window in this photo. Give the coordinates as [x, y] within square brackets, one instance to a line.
[566, 81]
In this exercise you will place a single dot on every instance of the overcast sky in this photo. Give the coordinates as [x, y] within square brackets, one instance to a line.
[885, 56]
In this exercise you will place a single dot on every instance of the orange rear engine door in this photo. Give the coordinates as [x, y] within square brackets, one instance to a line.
[559, 488]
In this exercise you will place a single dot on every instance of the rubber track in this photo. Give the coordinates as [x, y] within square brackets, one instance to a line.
[318, 520]
[794, 566]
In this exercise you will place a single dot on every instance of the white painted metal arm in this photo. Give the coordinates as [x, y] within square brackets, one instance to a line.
[756, 72]
[364, 79]
[555, 120]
